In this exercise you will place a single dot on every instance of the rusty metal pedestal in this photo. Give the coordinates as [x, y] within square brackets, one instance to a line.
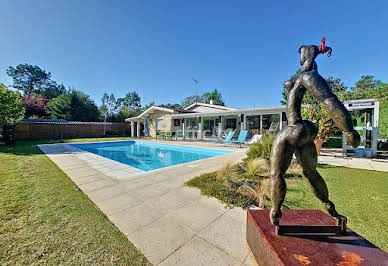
[269, 248]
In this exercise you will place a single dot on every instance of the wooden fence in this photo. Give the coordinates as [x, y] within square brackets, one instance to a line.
[54, 130]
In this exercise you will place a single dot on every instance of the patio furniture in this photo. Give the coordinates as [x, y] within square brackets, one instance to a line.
[228, 139]
[242, 137]
[255, 138]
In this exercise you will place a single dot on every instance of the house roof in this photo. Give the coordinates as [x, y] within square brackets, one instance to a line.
[246, 111]
[150, 111]
[215, 106]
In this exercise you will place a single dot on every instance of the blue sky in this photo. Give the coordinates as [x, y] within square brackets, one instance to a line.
[244, 48]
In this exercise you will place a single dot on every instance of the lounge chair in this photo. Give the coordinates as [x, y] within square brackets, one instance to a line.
[255, 138]
[228, 139]
[242, 137]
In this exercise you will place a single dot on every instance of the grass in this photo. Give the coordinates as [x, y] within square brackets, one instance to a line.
[358, 194]
[45, 219]
[333, 142]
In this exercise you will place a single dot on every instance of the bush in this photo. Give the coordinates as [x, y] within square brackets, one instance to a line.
[256, 167]
[11, 112]
[261, 149]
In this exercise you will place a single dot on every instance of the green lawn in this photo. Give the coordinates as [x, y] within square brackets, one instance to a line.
[45, 219]
[361, 195]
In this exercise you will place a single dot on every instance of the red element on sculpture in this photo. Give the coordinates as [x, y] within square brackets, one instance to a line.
[323, 47]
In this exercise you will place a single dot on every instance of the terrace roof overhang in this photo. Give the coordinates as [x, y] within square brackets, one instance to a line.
[245, 111]
[150, 111]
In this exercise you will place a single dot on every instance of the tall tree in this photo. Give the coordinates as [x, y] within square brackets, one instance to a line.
[73, 106]
[148, 105]
[366, 82]
[190, 100]
[109, 106]
[131, 101]
[175, 106]
[51, 91]
[28, 78]
[214, 95]
[34, 80]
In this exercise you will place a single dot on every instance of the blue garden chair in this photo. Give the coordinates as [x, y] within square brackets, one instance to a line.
[228, 139]
[242, 137]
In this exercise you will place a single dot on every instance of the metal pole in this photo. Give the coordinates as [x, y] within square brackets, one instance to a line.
[196, 89]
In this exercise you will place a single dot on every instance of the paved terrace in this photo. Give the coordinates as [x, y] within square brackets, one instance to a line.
[335, 157]
[170, 223]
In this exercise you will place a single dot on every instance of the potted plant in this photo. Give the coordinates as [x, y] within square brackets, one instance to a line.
[318, 115]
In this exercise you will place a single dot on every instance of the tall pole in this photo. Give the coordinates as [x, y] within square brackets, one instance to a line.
[196, 89]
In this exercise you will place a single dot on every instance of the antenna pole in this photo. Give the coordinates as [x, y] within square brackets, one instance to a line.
[196, 89]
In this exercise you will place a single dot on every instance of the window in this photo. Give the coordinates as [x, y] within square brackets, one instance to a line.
[177, 122]
[160, 124]
[253, 122]
[271, 122]
[231, 123]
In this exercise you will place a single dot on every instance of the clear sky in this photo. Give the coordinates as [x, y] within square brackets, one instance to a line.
[244, 48]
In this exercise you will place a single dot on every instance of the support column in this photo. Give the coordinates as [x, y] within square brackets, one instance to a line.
[184, 128]
[261, 124]
[281, 121]
[242, 119]
[132, 129]
[200, 128]
[138, 129]
[219, 127]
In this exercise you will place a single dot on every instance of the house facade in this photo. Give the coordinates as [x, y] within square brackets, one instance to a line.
[201, 121]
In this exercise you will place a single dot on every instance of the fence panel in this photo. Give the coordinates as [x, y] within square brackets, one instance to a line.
[52, 130]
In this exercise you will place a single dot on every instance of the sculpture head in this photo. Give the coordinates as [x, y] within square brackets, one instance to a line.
[308, 53]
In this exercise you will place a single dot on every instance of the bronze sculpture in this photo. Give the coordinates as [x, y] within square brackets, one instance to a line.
[298, 137]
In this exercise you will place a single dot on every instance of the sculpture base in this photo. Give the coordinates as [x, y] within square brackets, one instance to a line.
[268, 248]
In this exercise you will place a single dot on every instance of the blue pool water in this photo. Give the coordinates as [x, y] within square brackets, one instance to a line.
[148, 156]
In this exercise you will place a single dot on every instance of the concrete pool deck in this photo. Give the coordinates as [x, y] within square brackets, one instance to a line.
[170, 223]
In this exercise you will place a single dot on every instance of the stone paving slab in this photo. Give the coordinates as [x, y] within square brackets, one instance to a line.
[200, 252]
[229, 235]
[161, 238]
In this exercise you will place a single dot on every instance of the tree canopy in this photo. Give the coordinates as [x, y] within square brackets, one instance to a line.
[366, 82]
[116, 110]
[214, 95]
[32, 79]
[11, 111]
[73, 106]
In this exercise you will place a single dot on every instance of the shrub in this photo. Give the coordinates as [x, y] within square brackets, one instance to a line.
[256, 167]
[261, 149]
[255, 192]
[11, 112]
[228, 174]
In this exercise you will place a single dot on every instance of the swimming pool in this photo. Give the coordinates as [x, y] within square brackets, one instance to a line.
[148, 156]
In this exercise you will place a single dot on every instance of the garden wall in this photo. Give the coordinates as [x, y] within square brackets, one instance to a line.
[53, 130]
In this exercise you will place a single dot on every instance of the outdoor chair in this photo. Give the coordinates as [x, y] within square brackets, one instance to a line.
[242, 137]
[228, 139]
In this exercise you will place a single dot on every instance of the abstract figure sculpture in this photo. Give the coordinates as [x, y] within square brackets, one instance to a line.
[298, 137]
